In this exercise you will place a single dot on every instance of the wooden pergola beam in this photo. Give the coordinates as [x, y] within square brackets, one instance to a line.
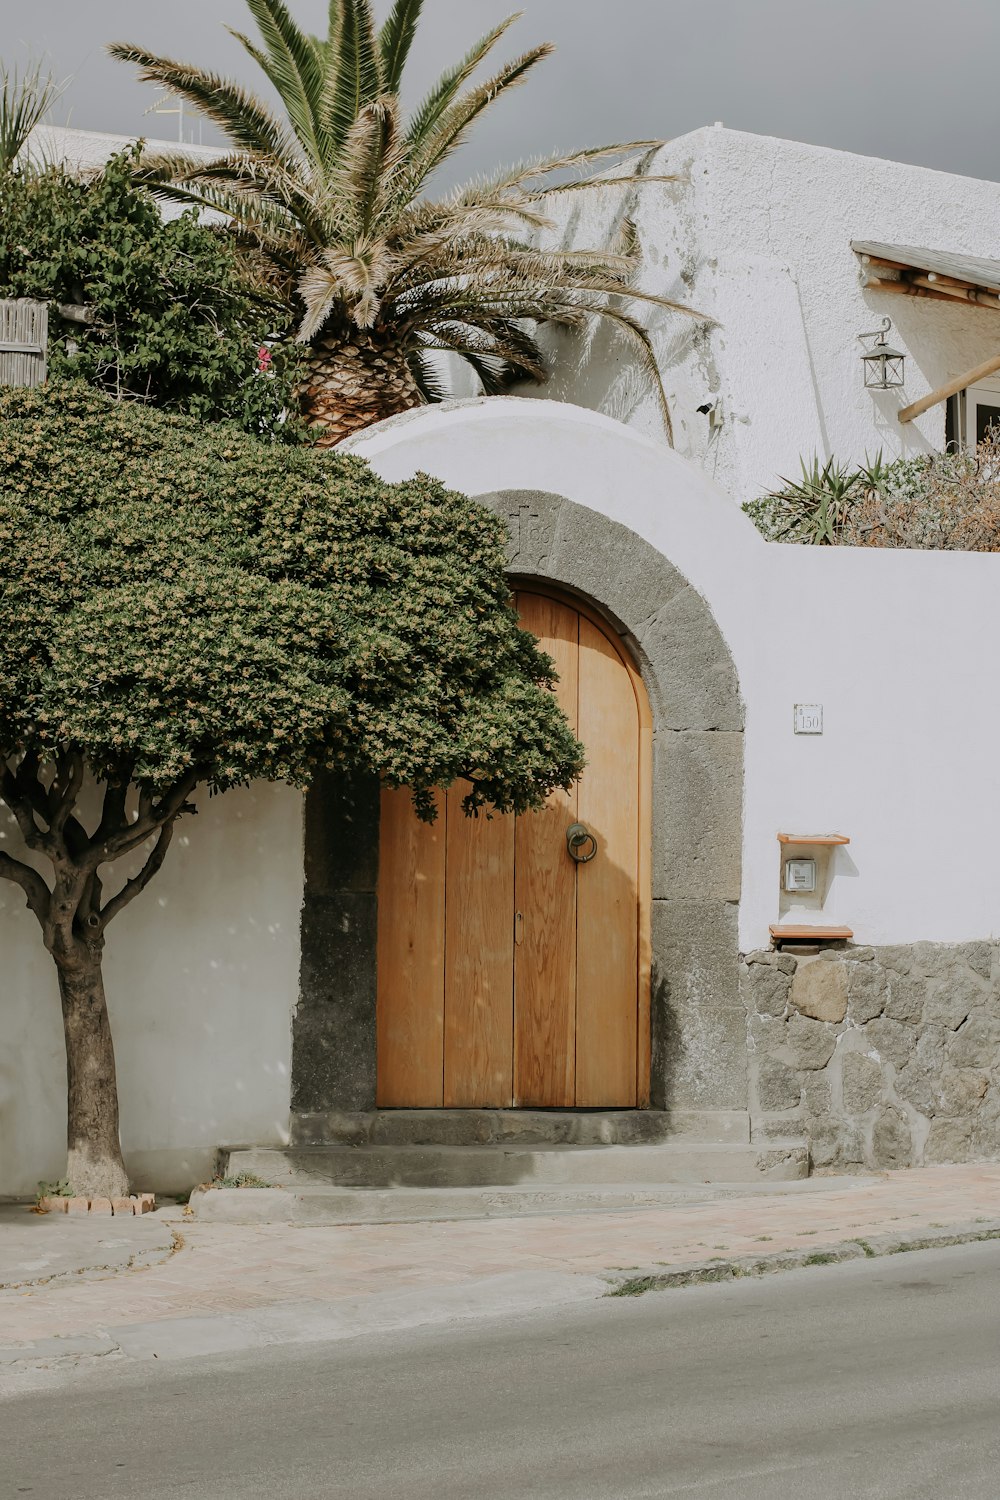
[960, 383]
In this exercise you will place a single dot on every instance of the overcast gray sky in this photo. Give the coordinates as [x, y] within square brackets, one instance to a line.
[912, 80]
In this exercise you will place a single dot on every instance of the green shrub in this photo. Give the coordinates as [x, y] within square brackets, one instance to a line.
[174, 316]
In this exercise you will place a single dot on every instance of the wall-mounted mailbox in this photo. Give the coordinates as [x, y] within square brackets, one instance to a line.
[800, 875]
[804, 903]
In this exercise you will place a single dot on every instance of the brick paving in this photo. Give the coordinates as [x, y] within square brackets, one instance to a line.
[226, 1268]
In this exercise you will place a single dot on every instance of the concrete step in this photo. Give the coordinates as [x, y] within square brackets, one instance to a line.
[503, 1127]
[481, 1166]
[402, 1205]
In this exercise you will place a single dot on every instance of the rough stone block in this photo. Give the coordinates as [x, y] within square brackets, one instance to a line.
[976, 1043]
[979, 956]
[777, 1085]
[948, 1141]
[835, 1143]
[341, 834]
[819, 990]
[692, 665]
[765, 989]
[783, 961]
[867, 988]
[961, 1091]
[700, 1029]
[862, 1083]
[610, 563]
[810, 1043]
[892, 1143]
[532, 518]
[951, 999]
[860, 955]
[697, 815]
[891, 1039]
[816, 1095]
[907, 995]
[333, 1033]
[917, 1086]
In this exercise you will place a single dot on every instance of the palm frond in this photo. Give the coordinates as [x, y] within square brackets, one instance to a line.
[245, 120]
[395, 40]
[456, 121]
[371, 156]
[294, 67]
[353, 75]
[451, 82]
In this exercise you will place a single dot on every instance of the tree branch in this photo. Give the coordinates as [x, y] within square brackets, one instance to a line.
[139, 882]
[152, 816]
[36, 891]
[20, 805]
[64, 790]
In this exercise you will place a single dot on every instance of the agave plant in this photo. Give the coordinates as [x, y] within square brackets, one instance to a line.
[331, 199]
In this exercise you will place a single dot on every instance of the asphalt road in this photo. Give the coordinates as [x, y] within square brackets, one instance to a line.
[875, 1379]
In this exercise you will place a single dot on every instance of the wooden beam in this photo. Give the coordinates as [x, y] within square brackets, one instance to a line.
[907, 289]
[960, 292]
[960, 383]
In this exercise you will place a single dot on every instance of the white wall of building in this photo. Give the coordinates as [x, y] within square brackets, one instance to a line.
[202, 977]
[756, 233]
[897, 646]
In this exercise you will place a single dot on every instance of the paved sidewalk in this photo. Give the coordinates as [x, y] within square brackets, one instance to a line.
[42, 1248]
[237, 1286]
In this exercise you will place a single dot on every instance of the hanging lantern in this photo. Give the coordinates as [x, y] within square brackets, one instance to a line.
[883, 366]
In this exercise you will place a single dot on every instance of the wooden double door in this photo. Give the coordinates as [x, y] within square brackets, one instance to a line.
[513, 969]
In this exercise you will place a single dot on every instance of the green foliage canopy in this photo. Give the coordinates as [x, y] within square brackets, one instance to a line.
[175, 316]
[182, 600]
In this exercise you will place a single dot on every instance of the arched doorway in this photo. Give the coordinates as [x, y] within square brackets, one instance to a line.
[511, 971]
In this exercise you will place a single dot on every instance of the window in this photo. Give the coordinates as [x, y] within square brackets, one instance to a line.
[971, 414]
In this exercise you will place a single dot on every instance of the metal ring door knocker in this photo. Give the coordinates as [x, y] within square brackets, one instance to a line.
[578, 837]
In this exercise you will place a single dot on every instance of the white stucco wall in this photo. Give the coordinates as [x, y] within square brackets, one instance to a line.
[893, 645]
[202, 979]
[756, 233]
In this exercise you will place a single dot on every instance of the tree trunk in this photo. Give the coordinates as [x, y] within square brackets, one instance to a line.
[356, 377]
[94, 1163]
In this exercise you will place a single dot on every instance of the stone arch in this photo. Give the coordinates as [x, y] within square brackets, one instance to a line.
[698, 1019]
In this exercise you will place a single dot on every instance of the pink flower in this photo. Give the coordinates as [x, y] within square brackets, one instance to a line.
[264, 359]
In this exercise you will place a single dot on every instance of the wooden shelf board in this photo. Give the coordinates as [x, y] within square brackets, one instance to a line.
[813, 838]
[799, 933]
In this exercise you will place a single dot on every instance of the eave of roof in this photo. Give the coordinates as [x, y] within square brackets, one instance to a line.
[938, 274]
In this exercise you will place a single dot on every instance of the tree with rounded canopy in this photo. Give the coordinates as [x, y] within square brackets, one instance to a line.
[183, 605]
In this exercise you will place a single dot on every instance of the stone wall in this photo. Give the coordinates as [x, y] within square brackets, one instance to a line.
[882, 1057]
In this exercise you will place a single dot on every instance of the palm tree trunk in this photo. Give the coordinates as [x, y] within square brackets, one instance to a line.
[356, 377]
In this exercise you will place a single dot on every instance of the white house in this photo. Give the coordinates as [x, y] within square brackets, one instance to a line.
[803, 750]
[765, 237]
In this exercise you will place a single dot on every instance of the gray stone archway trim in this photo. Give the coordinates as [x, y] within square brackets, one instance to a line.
[698, 1019]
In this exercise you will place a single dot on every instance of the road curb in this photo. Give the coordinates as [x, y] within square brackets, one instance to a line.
[640, 1279]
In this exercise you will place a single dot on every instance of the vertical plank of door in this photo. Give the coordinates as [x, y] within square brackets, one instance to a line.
[479, 959]
[410, 957]
[607, 894]
[545, 899]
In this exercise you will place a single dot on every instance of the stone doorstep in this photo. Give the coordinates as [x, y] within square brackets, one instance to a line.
[138, 1203]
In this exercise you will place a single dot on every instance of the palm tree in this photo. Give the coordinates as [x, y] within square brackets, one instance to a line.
[330, 200]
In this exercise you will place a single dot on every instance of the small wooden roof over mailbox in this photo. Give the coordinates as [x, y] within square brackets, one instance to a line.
[943, 276]
[24, 336]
